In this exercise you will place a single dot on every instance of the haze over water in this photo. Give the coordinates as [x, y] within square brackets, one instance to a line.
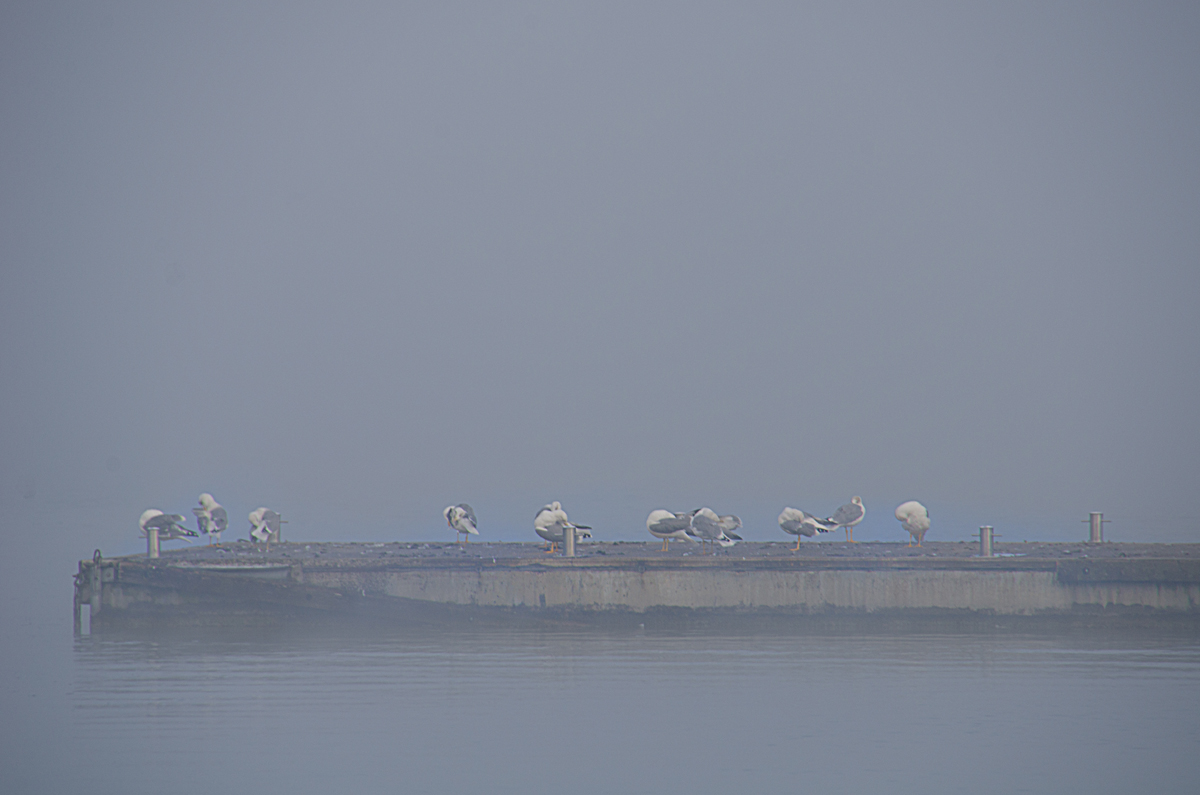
[357, 263]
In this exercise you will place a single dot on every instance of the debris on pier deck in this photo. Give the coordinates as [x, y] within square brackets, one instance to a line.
[244, 580]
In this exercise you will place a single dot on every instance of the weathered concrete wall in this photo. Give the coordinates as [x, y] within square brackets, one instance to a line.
[1002, 592]
[134, 592]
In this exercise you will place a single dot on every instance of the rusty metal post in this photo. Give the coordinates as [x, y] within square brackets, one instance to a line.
[152, 542]
[568, 542]
[985, 541]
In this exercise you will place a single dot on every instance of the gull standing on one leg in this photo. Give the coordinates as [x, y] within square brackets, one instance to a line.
[914, 517]
[849, 515]
[462, 520]
[211, 517]
[802, 523]
[551, 523]
[670, 524]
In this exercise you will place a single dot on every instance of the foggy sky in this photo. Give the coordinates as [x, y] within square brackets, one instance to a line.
[360, 262]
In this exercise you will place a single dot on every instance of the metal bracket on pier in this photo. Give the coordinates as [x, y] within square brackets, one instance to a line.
[985, 535]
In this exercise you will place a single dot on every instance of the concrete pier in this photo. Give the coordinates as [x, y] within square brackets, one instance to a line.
[244, 585]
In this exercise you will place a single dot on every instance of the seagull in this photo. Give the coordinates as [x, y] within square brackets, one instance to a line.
[849, 515]
[551, 523]
[169, 525]
[707, 526]
[264, 524]
[915, 518]
[802, 523]
[670, 524]
[462, 520]
[211, 517]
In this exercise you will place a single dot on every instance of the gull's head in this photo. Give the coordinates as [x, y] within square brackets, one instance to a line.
[147, 515]
[856, 500]
[207, 501]
[556, 506]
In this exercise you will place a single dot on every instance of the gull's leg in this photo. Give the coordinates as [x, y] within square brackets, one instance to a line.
[797, 549]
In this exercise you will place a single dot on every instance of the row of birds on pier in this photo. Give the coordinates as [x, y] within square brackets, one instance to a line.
[551, 523]
[702, 524]
[212, 520]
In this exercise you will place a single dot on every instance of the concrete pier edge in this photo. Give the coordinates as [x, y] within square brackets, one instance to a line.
[180, 590]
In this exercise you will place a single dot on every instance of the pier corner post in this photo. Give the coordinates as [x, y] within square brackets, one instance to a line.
[97, 580]
[152, 542]
[78, 601]
[1096, 527]
[569, 542]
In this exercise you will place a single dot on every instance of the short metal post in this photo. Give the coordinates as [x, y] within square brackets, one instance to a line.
[1096, 526]
[152, 542]
[985, 541]
[569, 542]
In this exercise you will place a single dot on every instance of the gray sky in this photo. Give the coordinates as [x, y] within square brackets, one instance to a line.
[357, 263]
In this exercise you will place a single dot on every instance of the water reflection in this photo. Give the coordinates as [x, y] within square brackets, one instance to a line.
[523, 710]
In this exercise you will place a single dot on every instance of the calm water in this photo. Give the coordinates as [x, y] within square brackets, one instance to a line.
[593, 711]
[520, 710]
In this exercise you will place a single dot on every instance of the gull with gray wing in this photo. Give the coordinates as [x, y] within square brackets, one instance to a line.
[666, 525]
[211, 517]
[849, 515]
[551, 524]
[462, 520]
[706, 525]
[802, 523]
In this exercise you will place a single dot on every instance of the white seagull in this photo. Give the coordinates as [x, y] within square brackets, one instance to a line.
[802, 523]
[849, 515]
[462, 520]
[707, 526]
[169, 525]
[211, 517]
[670, 524]
[551, 523]
[264, 524]
[915, 518]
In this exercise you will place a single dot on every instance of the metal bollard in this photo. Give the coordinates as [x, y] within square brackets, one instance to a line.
[1095, 522]
[152, 542]
[985, 541]
[569, 542]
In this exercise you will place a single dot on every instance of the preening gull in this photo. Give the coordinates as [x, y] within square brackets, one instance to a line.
[915, 518]
[802, 523]
[462, 520]
[264, 524]
[849, 515]
[707, 526]
[551, 523]
[670, 524]
[211, 517]
[169, 525]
